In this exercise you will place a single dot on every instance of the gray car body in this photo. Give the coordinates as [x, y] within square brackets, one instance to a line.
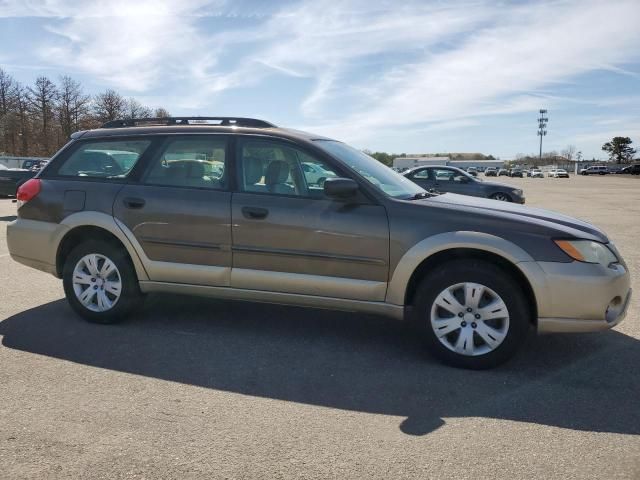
[472, 186]
[366, 253]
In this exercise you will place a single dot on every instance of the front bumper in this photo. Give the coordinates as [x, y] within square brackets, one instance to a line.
[583, 297]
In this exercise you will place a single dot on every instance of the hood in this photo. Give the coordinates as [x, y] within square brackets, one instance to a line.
[570, 226]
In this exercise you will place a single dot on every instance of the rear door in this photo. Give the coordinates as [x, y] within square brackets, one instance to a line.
[288, 237]
[179, 212]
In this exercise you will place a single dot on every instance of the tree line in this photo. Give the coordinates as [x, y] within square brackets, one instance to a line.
[36, 120]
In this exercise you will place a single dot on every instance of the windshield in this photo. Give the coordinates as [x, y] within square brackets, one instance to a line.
[379, 175]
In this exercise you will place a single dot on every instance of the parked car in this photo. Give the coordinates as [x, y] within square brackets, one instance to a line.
[631, 169]
[536, 173]
[33, 165]
[516, 172]
[491, 172]
[503, 171]
[558, 173]
[472, 171]
[454, 180]
[474, 274]
[595, 170]
[315, 174]
[11, 179]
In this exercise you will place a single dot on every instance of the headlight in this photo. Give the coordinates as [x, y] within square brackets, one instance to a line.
[517, 192]
[587, 251]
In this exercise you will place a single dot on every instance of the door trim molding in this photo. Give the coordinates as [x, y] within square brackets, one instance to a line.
[307, 253]
[177, 243]
[304, 284]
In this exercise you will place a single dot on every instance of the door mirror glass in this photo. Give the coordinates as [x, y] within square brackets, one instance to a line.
[340, 187]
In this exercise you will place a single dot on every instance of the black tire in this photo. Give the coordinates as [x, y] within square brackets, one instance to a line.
[507, 197]
[491, 276]
[130, 295]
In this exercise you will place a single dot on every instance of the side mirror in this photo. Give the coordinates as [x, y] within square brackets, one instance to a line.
[340, 187]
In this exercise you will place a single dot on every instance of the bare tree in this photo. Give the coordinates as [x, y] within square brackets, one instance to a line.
[23, 119]
[134, 109]
[161, 113]
[72, 107]
[569, 152]
[7, 104]
[109, 105]
[42, 98]
[38, 119]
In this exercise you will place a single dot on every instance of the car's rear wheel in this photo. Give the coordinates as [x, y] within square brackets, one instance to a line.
[503, 197]
[100, 282]
[472, 313]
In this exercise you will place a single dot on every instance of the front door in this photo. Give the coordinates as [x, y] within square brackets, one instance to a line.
[288, 237]
[180, 212]
[450, 180]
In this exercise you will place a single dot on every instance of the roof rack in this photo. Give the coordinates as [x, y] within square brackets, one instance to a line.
[219, 121]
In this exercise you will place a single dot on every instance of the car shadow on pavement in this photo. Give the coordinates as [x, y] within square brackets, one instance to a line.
[9, 218]
[346, 361]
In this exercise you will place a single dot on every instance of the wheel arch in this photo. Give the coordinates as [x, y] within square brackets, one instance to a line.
[83, 226]
[441, 248]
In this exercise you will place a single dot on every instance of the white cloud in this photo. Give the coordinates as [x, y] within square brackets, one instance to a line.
[526, 48]
[372, 66]
[124, 44]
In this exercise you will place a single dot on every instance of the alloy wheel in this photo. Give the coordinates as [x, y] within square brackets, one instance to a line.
[470, 319]
[97, 282]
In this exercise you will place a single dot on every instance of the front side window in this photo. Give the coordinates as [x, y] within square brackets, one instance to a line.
[379, 175]
[104, 159]
[281, 169]
[421, 174]
[447, 175]
[197, 162]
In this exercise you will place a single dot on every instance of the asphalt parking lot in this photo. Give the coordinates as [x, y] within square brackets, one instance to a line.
[196, 388]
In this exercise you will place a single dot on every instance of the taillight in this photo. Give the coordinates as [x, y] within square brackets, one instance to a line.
[28, 190]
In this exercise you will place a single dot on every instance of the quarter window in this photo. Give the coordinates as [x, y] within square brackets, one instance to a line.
[190, 162]
[105, 159]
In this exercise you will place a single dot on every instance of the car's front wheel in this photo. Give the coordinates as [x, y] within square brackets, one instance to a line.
[503, 197]
[100, 282]
[472, 313]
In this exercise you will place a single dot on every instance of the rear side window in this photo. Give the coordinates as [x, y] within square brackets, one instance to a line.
[196, 162]
[104, 159]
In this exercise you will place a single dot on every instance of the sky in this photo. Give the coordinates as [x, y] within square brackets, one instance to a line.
[403, 77]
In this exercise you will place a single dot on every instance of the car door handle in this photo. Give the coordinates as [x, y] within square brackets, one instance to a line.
[255, 213]
[131, 202]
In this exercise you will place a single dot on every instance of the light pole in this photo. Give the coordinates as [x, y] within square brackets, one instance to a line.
[542, 127]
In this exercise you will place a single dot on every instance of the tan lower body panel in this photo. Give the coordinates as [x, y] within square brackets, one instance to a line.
[328, 303]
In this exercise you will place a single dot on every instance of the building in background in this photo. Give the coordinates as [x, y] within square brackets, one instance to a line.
[404, 163]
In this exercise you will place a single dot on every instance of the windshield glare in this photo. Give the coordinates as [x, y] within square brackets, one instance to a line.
[379, 175]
